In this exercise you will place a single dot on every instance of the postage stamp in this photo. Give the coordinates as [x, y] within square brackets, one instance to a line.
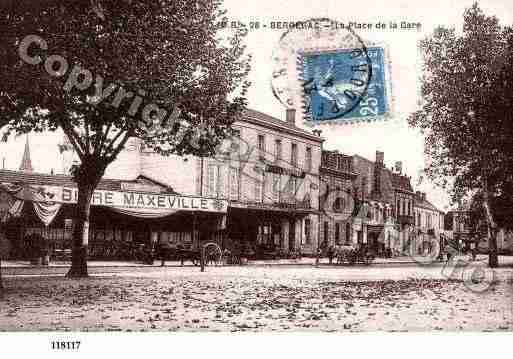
[332, 74]
[348, 84]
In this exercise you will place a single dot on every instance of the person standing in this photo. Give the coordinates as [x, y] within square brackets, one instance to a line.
[330, 254]
[162, 249]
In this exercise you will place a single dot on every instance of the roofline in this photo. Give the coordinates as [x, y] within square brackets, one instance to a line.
[153, 180]
[37, 174]
[427, 205]
[293, 130]
[400, 189]
[335, 172]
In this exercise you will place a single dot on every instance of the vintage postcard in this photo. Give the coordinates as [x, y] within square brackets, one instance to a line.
[254, 166]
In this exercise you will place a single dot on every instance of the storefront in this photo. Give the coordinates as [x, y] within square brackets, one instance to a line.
[121, 222]
[269, 231]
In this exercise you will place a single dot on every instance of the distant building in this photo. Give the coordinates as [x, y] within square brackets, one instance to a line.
[404, 203]
[457, 222]
[374, 222]
[429, 222]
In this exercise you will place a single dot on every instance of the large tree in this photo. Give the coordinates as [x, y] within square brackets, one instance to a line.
[105, 71]
[467, 110]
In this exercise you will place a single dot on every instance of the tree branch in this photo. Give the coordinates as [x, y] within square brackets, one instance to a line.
[111, 144]
[121, 145]
[87, 140]
[100, 140]
[73, 138]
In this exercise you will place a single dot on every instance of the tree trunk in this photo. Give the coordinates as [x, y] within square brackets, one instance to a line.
[1, 282]
[493, 260]
[81, 231]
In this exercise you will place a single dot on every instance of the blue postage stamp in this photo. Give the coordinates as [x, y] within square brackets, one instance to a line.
[348, 85]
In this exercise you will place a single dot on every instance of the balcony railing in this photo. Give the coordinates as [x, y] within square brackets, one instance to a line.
[337, 161]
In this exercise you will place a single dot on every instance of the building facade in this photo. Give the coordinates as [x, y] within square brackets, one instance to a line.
[403, 209]
[336, 199]
[267, 177]
[429, 223]
[270, 191]
[373, 223]
[270, 176]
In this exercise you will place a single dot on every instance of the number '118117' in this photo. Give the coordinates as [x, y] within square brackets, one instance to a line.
[65, 345]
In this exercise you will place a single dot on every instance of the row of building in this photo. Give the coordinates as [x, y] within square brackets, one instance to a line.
[271, 190]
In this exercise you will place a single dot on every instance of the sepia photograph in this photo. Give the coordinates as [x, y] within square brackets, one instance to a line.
[191, 167]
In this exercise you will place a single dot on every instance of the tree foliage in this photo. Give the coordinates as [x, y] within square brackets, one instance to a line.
[502, 209]
[105, 71]
[168, 50]
[466, 88]
[466, 115]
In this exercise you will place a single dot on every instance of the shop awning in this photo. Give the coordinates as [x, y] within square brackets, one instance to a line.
[47, 201]
[44, 207]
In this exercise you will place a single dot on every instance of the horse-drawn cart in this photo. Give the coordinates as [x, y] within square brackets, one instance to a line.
[353, 255]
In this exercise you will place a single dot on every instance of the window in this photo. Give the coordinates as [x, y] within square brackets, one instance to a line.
[258, 190]
[293, 154]
[409, 208]
[308, 164]
[234, 183]
[275, 189]
[290, 188]
[337, 205]
[337, 233]
[348, 233]
[326, 232]
[277, 150]
[261, 146]
[213, 180]
[308, 228]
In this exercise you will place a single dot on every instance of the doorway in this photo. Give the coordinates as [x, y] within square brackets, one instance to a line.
[292, 236]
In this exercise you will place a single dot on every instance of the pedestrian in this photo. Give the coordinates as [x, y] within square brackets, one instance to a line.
[160, 253]
[330, 254]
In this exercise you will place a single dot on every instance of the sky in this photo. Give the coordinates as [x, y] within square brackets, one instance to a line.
[394, 137]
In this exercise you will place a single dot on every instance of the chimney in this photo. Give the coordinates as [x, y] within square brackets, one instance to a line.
[418, 194]
[380, 158]
[317, 132]
[378, 165]
[423, 194]
[399, 167]
[291, 116]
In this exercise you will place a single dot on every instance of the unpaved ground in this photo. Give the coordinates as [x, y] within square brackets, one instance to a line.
[249, 299]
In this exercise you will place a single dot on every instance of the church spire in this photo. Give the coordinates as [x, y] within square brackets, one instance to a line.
[26, 162]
